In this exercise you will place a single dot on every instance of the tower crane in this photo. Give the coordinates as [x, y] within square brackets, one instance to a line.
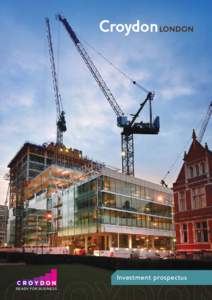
[205, 123]
[129, 127]
[61, 122]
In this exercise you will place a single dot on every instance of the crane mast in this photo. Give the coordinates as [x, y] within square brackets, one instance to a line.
[61, 122]
[205, 123]
[129, 127]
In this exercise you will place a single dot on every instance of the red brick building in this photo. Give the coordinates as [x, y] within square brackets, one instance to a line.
[193, 201]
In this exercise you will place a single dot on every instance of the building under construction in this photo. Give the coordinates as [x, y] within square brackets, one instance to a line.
[40, 175]
[83, 204]
[28, 163]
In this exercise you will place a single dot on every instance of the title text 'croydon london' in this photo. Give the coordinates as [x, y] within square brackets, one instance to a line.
[107, 26]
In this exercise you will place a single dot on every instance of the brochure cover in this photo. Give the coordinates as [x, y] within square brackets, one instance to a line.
[106, 150]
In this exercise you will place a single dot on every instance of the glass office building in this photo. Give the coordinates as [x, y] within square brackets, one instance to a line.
[36, 227]
[110, 209]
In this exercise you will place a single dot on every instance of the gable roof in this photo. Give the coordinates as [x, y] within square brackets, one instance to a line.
[196, 151]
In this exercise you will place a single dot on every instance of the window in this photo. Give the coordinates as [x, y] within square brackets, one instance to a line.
[184, 233]
[126, 205]
[201, 232]
[197, 170]
[191, 172]
[106, 183]
[198, 198]
[202, 167]
[181, 201]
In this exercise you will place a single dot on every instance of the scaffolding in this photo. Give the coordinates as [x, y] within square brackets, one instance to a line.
[31, 161]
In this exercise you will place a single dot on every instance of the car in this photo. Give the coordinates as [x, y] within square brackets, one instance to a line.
[150, 255]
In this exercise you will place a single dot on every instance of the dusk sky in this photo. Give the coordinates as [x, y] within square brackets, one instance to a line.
[177, 66]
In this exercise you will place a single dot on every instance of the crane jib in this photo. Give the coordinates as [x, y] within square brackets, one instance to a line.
[70, 30]
[129, 128]
[94, 71]
[61, 122]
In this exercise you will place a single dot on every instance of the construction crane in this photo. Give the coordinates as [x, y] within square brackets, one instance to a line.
[129, 127]
[61, 122]
[205, 123]
[199, 138]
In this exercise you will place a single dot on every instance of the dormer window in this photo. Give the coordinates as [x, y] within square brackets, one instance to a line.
[196, 170]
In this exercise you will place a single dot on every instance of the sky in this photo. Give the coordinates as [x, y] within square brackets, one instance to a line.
[177, 66]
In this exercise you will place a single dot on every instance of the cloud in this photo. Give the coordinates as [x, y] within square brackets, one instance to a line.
[17, 98]
[27, 98]
[173, 92]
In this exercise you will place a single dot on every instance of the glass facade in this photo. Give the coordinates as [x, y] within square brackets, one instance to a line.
[83, 208]
[98, 208]
[75, 209]
[36, 227]
[128, 204]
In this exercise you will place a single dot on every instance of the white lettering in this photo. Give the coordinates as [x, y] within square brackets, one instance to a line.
[107, 26]
[153, 27]
[135, 27]
[144, 27]
[101, 25]
[120, 27]
[128, 29]
[112, 26]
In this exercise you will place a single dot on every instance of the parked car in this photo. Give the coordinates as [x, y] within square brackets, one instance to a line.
[150, 254]
[169, 256]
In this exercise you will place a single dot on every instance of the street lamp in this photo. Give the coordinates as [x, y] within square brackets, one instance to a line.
[49, 216]
[160, 198]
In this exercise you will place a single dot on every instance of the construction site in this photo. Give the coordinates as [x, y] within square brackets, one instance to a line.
[60, 197]
[106, 153]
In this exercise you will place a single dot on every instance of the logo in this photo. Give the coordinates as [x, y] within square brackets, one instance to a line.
[138, 26]
[47, 282]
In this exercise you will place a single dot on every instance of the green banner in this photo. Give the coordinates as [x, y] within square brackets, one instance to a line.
[162, 277]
